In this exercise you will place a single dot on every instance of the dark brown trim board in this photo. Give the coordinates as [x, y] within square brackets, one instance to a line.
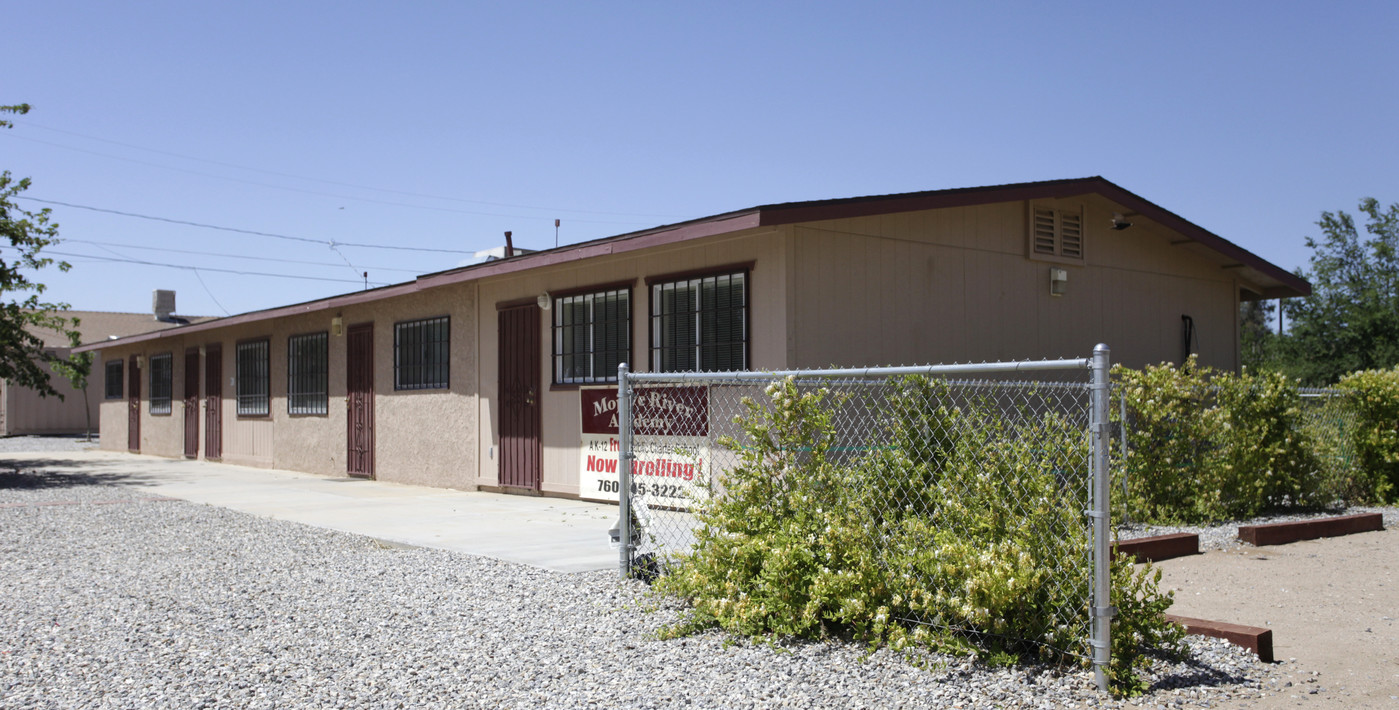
[1283, 533]
[1254, 638]
[1160, 547]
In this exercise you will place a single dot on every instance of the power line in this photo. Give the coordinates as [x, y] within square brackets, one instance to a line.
[332, 243]
[304, 191]
[205, 268]
[332, 182]
[67, 240]
[212, 297]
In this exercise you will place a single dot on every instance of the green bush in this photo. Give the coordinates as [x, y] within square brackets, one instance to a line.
[1205, 446]
[1375, 434]
[966, 522]
[1265, 459]
[1170, 434]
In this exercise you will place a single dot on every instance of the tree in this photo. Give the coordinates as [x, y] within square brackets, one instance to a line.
[1257, 342]
[76, 369]
[1351, 320]
[21, 311]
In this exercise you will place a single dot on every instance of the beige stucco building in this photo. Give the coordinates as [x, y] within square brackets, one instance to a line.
[471, 378]
[23, 411]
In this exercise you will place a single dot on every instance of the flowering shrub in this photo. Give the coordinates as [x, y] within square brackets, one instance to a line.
[965, 521]
[1375, 400]
[1207, 446]
[1171, 426]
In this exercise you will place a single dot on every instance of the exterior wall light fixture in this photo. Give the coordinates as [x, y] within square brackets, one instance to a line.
[1058, 282]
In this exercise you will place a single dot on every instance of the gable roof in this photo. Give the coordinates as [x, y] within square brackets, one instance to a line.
[1274, 281]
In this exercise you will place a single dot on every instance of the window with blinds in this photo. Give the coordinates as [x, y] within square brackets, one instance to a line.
[162, 383]
[114, 384]
[420, 353]
[592, 336]
[700, 324]
[1056, 233]
[253, 378]
[308, 374]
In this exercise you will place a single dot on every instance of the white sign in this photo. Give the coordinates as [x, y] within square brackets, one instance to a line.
[670, 478]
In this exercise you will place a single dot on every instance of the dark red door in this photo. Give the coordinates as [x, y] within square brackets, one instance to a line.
[359, 400]
[213, 402]
[192, 403]
[519, 397]
[133, 401]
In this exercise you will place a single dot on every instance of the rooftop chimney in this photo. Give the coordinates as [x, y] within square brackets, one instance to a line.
[509, 246]
[163, 304]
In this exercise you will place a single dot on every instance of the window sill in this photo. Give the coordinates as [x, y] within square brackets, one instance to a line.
[410, 390]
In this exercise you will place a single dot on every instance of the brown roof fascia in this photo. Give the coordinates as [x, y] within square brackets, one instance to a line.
[708, 227]
[776, 215]
[847, 208]
[1289, 284]
[341, 301]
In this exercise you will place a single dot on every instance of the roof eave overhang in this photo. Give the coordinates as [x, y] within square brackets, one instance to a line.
[1274, 282]
[324, 304]
[1277, 282]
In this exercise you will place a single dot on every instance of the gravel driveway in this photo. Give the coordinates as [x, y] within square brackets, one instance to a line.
[115, 600]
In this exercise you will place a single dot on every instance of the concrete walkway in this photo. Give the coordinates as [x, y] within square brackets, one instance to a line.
[553, 533]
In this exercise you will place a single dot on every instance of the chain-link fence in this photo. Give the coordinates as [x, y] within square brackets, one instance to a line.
[1256, 446]
[1329, 421]
[952, 481]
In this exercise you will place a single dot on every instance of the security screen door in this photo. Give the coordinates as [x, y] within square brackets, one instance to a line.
[519, 397]
[359, 400]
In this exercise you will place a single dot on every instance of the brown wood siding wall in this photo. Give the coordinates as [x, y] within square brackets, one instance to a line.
[956, 286]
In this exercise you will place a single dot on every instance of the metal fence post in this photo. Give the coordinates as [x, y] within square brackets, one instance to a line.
[1126, 514]
[1102, 569]
[624, 465]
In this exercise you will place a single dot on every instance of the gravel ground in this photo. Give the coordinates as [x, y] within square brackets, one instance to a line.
[30, 444]
[114, 600]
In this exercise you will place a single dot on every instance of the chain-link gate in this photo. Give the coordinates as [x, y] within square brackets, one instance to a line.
[1017, 469]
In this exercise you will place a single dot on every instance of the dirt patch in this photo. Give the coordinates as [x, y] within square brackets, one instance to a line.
[1331, 604]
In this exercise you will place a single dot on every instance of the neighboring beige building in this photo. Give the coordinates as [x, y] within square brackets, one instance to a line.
[471, 378]
[23, 411]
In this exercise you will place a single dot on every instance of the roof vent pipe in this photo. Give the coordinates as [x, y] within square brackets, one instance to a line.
[509, 246]
[163, 304]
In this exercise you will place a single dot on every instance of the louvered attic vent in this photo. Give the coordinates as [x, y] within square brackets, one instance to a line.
[1057, 234]
[1071, 236]
[1045, 243]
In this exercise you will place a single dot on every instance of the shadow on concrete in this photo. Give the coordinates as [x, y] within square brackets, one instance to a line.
[36, 474]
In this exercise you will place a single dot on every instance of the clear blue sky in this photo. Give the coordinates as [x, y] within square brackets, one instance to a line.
[441, 125]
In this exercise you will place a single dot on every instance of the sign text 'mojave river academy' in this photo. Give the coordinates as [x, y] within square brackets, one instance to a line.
[668, 474]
